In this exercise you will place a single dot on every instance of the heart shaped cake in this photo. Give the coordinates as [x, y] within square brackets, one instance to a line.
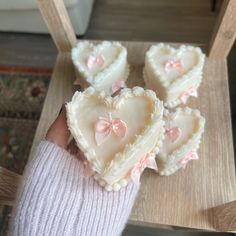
[103, 66]
[174, 74]
[183, 131]
[118, 135]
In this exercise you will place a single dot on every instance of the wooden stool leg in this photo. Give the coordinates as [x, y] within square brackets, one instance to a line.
[57, 19]
[225, 217]
[9, 182]
[225, 31]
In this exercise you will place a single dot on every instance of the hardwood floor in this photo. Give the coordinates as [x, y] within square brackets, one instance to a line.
[152, 20]
[30, 50]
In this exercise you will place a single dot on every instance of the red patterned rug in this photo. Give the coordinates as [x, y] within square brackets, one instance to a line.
[22, 93]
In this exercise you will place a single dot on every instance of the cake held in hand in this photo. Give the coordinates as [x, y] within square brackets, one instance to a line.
[183, 131]
[174, 74]
[103, 66]
[118, 136]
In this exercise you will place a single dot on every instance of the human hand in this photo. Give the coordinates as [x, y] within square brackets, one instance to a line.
[58, 196]
[112, 208]
[59, 133]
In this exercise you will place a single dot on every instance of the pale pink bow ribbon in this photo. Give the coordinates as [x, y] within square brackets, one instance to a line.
[147, 162]
[173, 133]
[192, 155]
[95, 60]
[186, 94]
[118, 84]
[103, 127]
[171, 63]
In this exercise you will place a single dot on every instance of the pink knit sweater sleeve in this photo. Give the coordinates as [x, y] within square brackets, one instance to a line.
[57, 198]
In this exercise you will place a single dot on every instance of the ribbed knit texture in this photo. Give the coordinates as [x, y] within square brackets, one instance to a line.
[57, 197]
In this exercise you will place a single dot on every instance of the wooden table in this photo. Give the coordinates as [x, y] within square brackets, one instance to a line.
[185, 198]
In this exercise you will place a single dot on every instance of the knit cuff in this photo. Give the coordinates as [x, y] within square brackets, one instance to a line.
[57, 198]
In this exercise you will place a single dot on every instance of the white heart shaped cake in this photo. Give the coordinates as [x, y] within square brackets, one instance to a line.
[116, 134]
[183, 131]
[103, 66]
[174, 74]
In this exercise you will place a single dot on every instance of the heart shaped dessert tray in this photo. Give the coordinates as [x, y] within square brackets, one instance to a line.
[122, 134]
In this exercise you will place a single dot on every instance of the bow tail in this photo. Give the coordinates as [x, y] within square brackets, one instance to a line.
[100, 137]
[184, 98]
[152, 162]
[135, 176]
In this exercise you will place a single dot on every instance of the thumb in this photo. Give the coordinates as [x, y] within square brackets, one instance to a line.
[58, 132]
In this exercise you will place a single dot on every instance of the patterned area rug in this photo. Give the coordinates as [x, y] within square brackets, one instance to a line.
[22, 93]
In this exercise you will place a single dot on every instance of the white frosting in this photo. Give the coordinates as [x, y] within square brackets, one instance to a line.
[101, 77]
[112, 160]
[170, 83]
[191, 126]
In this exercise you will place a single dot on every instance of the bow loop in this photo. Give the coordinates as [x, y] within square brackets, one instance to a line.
[95, 60]
[171, 63]
[103, 127]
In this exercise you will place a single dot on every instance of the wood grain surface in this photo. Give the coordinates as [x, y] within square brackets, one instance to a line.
[184, 199]
[225, 31]
[152, 20]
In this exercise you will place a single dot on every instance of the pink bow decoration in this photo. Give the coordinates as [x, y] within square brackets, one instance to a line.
[103, 127]
[186, 94]
[95, 60]
[177, 64]
[192, 155]
[173, 133]
[118, 84]
[147, 162]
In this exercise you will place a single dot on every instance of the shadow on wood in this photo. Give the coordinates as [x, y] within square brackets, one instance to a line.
[225, 217]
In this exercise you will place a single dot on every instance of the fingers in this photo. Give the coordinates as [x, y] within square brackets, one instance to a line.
[72, 147]
[58, 132]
